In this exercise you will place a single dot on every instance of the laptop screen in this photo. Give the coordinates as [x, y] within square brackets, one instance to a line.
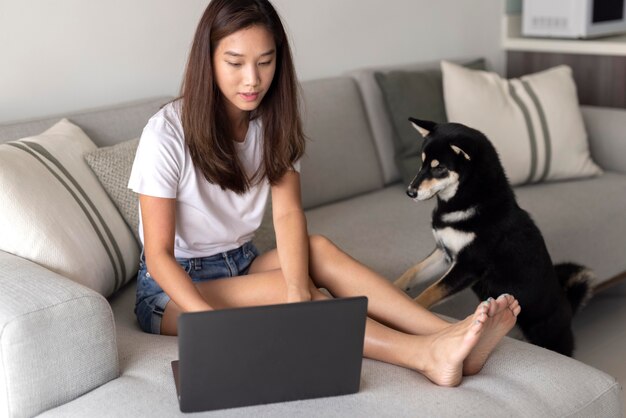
[247, 356]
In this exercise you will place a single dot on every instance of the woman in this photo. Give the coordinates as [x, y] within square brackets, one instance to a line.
[203, 170]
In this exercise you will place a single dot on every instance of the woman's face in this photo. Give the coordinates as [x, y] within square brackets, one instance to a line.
[244, 63]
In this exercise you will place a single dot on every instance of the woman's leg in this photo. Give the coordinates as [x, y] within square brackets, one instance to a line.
[439, 356]
[343, 276]
[262, 288]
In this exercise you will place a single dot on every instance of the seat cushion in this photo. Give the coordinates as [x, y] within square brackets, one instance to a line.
[581, 221]
[389, 232]
[519, 379]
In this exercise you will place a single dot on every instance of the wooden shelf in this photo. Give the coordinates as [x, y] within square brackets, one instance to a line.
[512, 40]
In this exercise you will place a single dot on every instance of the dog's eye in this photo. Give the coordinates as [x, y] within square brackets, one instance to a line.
[439, 171]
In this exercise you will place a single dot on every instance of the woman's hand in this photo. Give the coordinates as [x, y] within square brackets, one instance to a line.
[298, 294]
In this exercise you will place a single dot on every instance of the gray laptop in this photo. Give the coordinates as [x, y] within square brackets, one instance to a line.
[249, 356]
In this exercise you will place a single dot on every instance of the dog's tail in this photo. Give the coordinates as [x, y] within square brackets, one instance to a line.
[576, 281]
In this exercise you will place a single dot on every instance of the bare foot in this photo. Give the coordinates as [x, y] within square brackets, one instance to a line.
[447, 350]
[502, 315]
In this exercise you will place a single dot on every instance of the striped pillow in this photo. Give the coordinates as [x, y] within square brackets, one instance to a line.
[56, 213]
[534, 122]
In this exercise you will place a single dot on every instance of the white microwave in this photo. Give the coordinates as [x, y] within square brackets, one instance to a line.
[573, 18]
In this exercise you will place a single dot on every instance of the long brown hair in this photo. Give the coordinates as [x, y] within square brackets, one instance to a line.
[208, 133]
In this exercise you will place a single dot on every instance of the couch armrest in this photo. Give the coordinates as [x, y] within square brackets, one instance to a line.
[57, 339]
[607, 136]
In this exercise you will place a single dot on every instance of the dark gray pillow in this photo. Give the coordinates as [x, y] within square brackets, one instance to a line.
[112, 166]
[418, 94]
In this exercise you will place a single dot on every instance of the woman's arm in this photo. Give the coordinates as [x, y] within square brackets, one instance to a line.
[158, 216]
[292, 238]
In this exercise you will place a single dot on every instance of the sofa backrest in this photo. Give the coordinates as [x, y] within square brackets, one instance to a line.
[341, 160]
[105, 127]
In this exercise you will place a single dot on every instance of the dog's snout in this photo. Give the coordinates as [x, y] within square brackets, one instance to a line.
[411, 192]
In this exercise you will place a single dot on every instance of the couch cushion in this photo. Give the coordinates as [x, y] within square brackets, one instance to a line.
[519, 379]
[373, 226]
[58, 215]
[341, 159]
[582, 221]
[417, 93]
[606, 127]
[534, 122]
[382, 129]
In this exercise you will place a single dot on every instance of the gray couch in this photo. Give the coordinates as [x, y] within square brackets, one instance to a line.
[67, 351]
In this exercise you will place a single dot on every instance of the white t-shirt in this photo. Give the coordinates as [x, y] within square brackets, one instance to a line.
[209, 220]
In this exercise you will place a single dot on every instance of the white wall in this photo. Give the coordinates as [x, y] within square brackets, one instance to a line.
[59, 56]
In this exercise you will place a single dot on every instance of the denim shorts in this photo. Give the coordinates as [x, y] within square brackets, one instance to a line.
[151, 299]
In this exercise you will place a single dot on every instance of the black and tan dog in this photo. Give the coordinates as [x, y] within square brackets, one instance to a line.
[486, 241]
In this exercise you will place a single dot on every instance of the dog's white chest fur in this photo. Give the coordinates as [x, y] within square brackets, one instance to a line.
[452, 239]
[459, 216]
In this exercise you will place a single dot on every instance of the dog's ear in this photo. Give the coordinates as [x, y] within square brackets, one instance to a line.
[424, 127]
[460, 151]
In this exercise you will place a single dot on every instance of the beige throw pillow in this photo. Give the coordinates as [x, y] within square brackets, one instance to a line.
[534, 121]
[56, 213]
